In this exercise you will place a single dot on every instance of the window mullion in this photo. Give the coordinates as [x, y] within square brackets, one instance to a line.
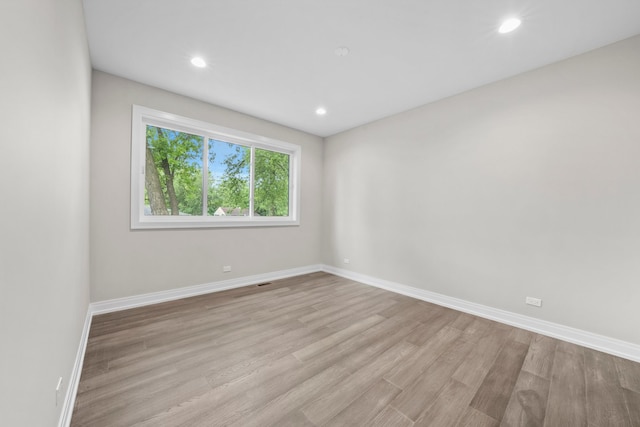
[252, 181]
[205, 174]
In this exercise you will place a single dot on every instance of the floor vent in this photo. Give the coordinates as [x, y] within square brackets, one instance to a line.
[264, 284]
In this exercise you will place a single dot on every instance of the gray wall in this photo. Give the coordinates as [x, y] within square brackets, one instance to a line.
[526, 187]
[126, 262]
[44, 228]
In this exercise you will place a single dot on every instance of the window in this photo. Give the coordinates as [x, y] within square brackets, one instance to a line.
[188, 173]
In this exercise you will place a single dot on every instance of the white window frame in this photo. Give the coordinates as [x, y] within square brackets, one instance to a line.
[143, 116]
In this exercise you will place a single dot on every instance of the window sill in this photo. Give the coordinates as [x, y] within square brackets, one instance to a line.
[169, 222]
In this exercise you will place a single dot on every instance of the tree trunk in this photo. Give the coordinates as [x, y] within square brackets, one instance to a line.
[153, 186]
[171, 191]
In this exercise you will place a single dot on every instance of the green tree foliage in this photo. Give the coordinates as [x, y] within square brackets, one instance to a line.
[177, 158]
[233, 188]
[271, 191]
[173, 180]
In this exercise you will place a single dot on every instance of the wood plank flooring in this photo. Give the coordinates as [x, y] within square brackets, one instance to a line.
[319, 350]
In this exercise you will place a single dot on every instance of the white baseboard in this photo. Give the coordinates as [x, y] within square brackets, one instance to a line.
[602, 343]
[190, 291]
[74, 380]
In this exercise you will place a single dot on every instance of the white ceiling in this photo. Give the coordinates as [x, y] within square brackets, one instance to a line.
[275, 59]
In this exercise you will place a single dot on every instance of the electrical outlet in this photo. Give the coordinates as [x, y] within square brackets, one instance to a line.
[533, 301]
[58, 390]
[226, 268]
[347, 261]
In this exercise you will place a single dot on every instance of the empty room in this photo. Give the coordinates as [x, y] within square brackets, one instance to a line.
[304, 213]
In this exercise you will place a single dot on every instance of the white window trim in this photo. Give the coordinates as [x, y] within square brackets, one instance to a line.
[143, 116]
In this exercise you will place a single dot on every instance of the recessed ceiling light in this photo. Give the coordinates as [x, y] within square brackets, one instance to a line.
[198, 62]
[509, 25]
[342, 51]
[321, 111]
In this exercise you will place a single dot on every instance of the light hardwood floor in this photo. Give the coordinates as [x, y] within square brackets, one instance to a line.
[318, 350]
